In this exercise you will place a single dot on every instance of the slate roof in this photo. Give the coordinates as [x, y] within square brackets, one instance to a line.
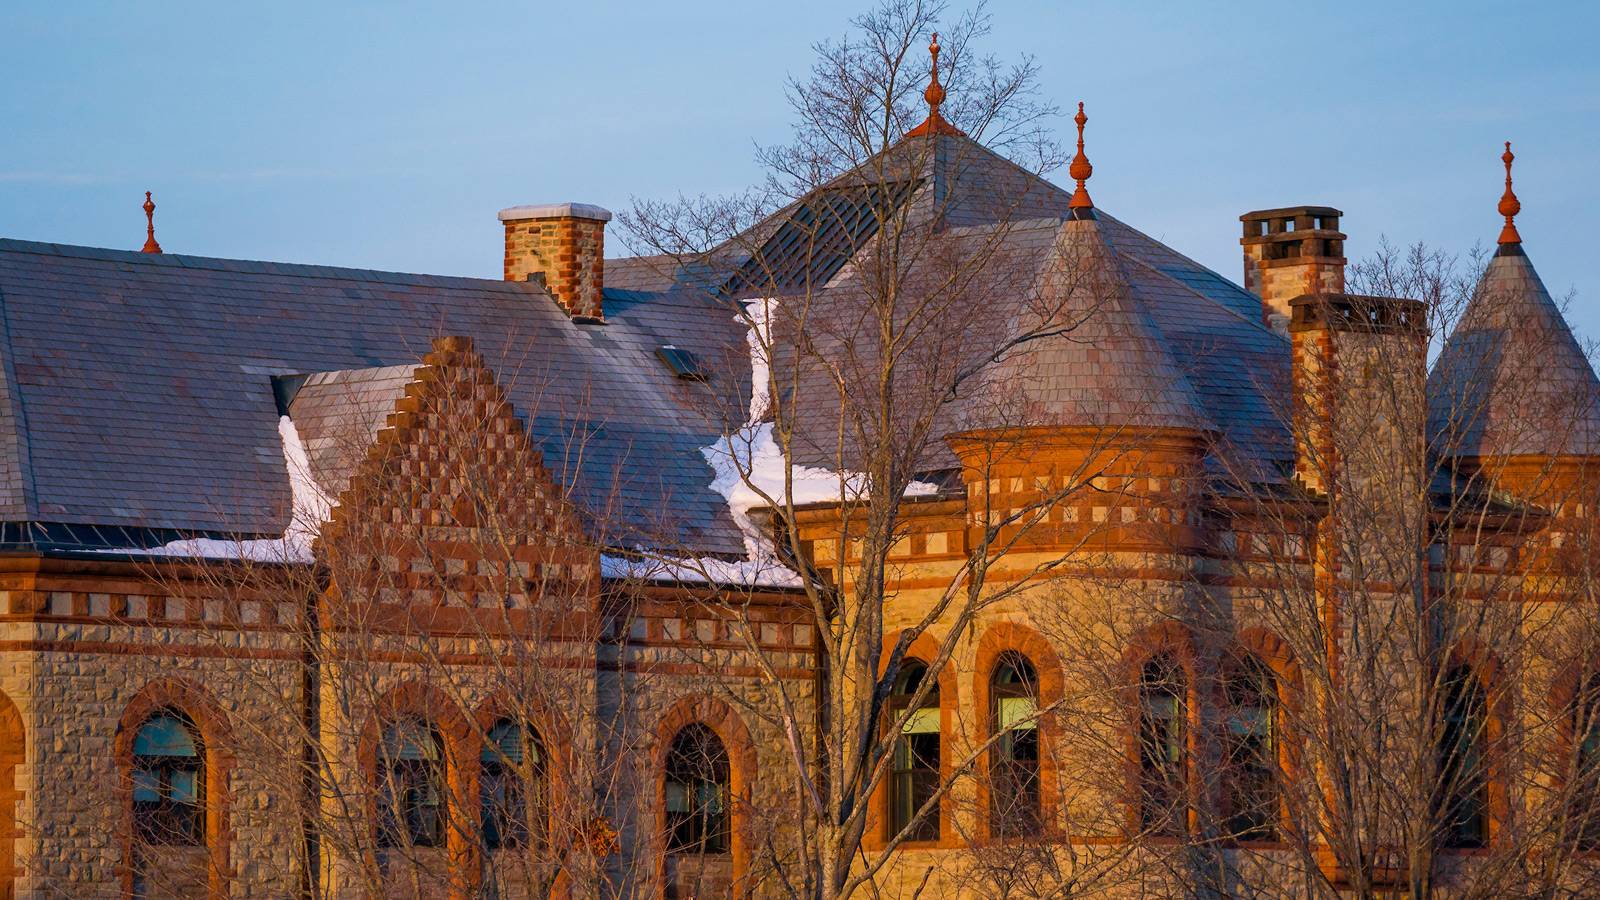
[1109, 367]
[136, 391]
[1152, 338]
[1511, 378]
[138, 401]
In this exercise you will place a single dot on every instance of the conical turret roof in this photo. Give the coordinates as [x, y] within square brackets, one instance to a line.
[1100, 359]
[1512, 379]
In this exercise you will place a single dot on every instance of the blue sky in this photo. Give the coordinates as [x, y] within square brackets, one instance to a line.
[387, 135]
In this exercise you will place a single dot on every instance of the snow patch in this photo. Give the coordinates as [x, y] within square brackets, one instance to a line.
[749, 467]
[700, 570]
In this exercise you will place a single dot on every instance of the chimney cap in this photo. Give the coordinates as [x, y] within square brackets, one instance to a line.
[555, 211]
[1287, 211]
[1356, 312]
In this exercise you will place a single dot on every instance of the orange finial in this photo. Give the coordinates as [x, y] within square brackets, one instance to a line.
[150, 245]
[1509, 205]
[1080, 170]
[934, 94]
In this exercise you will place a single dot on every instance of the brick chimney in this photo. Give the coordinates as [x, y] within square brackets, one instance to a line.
[1289, 252]
[562, 245]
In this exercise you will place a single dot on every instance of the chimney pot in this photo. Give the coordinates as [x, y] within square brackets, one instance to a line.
[1291, 252]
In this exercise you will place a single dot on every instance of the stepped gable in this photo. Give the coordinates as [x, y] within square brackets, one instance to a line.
[139, 393]
[1512, 379]
[137, 401]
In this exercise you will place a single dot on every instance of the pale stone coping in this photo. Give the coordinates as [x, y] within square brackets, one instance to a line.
[556, 211]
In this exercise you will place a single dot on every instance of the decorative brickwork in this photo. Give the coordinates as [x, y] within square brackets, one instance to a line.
[454, 478]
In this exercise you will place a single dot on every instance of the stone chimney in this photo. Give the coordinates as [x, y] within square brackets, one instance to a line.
[1289, 252]
[1360, 405]
[561, 245]
[1360, 438]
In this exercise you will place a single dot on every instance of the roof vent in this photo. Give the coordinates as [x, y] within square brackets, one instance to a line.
[683, 363]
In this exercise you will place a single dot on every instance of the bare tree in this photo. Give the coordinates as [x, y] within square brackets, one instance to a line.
[904, 305]
[1382, 688]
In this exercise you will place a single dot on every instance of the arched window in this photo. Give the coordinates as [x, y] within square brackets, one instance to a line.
[511, 782]
[1163, 749]
[914, 778]
[1463, 763]
[1014, 761]
[169, 781]
[1251, 762]
[697, 792]
[411, 785]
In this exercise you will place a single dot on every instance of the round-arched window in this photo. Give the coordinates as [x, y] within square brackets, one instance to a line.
[1014, 761]
[914, 775]
[1251, 748]
[1163, 747]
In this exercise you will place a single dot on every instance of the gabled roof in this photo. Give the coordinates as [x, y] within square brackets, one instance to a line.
[1512, 379]
[137, 388]
[138, 392]
[338, 415]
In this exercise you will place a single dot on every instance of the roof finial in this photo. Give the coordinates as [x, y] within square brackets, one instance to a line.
[1080, 169]
[150, 245]
[934, 94]
[935, 91]
[1509, 205]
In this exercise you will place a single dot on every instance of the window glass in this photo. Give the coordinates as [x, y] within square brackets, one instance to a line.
[914, 776]
[1252, 751]
[1014, 761]
[696, 786]
[168, 781]
[1163, 756]
[512, 787]
[1585, 795]
[1463, 775]
[411, 771]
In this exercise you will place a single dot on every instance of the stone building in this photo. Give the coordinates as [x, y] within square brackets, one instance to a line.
[224, 480]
